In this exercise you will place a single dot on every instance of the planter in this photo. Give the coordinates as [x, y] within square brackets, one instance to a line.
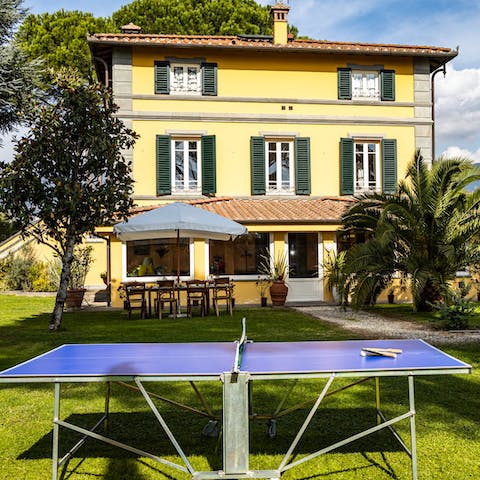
[75, 297]
[263, 301]
[278, 293]
[391, 298]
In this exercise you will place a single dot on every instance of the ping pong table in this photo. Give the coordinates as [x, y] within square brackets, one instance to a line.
[236, 365]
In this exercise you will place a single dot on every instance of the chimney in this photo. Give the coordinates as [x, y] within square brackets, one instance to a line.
[130, 28]
[279, 13]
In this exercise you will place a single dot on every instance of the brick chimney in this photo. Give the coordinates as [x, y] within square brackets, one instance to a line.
[279, 13]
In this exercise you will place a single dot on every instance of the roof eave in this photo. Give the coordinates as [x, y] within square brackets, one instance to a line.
[442, 57]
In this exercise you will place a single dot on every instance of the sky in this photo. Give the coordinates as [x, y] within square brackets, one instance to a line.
[414, 22]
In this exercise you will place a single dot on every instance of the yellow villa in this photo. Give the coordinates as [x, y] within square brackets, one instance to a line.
[276, 133]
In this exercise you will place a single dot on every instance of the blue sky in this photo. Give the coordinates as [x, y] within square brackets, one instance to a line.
[416, 22]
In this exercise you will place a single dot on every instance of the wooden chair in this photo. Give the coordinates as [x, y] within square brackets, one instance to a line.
[166, 294]
[222, 291]
[196, 296]
[136, 298]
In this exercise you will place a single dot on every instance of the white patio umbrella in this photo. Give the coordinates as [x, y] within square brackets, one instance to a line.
[177, 220]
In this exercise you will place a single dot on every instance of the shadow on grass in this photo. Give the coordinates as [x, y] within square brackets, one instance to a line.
[141, 430]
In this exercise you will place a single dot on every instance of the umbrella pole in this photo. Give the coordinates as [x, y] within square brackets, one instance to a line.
[178, 257]
[179, 312]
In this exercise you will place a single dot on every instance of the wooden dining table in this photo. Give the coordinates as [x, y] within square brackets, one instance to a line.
[153, 289]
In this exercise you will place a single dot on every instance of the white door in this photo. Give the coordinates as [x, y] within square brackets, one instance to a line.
[305, 283]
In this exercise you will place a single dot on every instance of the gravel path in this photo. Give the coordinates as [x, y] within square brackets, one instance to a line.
[372, 325]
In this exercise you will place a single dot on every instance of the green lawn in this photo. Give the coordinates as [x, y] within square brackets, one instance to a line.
[404, 311]
[448, 407]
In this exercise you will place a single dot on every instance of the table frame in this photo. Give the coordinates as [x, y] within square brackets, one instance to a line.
[236, 405]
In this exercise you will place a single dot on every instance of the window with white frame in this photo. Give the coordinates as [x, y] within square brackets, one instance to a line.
[185, 79]
[186, 168]
[365, 84]
[367, 167]
[279, 167]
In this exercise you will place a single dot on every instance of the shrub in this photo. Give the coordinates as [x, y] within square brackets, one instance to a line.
[82, 259]
[17, 270]
[455, 310]
[22, 271]
[40, 278]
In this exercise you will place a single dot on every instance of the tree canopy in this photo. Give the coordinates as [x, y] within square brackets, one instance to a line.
[69, 174]
[196, 17]
[427, 231]
[18, 77]
[60, 38]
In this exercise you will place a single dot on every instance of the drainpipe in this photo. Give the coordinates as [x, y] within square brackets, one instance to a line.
[432, 78]
[105, 66]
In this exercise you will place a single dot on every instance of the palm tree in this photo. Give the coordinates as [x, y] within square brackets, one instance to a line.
[425, 231]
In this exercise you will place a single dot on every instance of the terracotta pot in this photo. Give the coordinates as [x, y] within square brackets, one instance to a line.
[75, 297]
[278, 293]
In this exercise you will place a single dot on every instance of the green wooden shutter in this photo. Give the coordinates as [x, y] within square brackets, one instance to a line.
[209, 79]
[164, 183]
[302, 166]
[346, 166]
[389, 165]
[257, 165]
[387, 84]
[344, 84]
[209, 178]
[162, 77]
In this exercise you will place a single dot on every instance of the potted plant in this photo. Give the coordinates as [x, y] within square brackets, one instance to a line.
[82, 259]
[391, 296]
[338, 281]
[262, 285]
[276, 270]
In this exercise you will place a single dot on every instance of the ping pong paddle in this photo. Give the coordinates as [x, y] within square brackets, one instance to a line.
[384, 352]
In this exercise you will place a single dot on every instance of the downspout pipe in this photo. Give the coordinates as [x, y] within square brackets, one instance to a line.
[432, 81]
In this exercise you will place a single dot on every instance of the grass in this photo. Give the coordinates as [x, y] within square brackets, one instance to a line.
[447, 423]
[404, 311]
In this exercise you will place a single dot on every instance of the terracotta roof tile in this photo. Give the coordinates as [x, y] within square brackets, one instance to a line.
[327, 210]
[265, 43]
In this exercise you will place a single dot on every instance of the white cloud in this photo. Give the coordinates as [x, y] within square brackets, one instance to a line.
[457, 112]
[455, 151]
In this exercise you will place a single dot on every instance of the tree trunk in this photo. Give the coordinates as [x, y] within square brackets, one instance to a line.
[57, 314]
[428, 297]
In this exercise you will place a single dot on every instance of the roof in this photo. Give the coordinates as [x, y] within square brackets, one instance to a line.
[264, 43]
[326, 210]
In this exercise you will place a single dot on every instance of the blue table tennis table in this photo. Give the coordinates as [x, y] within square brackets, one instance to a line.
[236, 365]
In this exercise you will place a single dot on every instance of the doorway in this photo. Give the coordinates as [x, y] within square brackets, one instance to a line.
[305, 262]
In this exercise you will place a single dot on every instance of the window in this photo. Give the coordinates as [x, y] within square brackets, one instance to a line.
[241, 256]
[280, 166]
[185, 79]
[279, 157]
[158, 257]
[367, 167]
[186, 165]
[186, 176]
[365, 85]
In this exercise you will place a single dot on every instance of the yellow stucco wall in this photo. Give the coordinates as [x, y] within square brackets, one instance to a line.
[233, 152]
[273, 75]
